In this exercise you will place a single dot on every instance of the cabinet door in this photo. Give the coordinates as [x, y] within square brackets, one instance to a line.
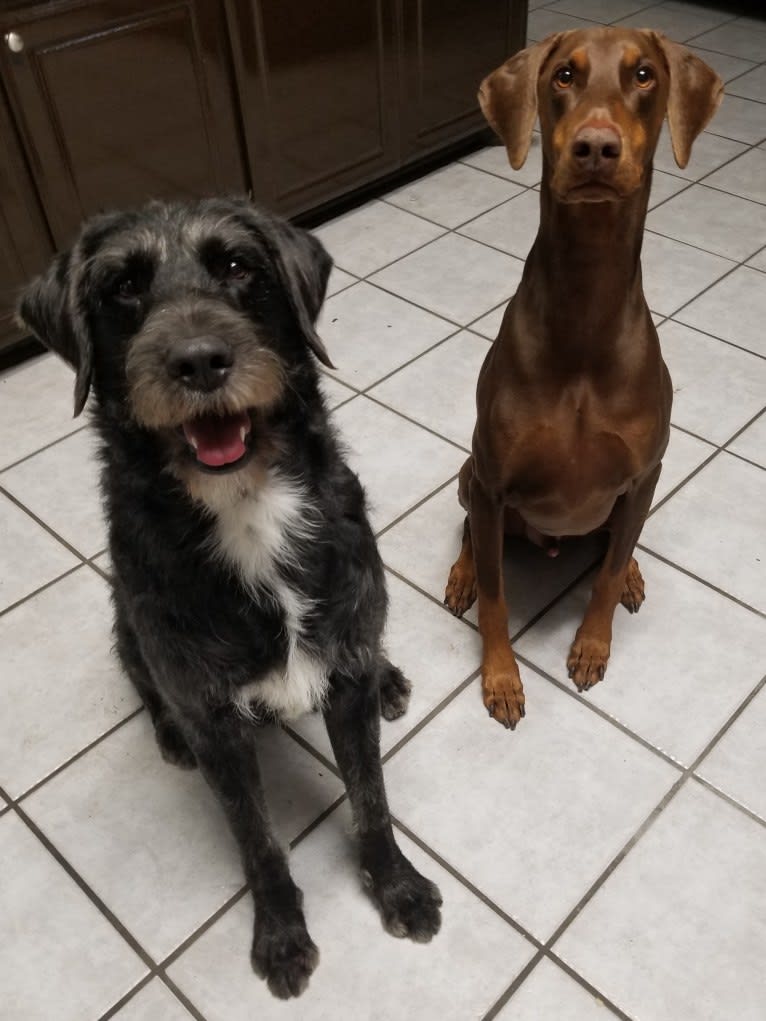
[448, 47]
[118, 101]
[318, 84]
[25, 245]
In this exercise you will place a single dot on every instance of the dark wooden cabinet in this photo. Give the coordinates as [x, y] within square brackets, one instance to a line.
[25, 243]
[448, 46]
[321, 101]
[106, 103]
[118, 102]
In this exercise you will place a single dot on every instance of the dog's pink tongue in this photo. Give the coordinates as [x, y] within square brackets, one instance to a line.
[218, 440]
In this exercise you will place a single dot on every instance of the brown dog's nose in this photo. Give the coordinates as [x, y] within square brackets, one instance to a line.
[596, 148]
[201, 363]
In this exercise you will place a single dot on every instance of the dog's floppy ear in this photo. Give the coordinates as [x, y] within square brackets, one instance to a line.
[694, 96]
[304, 267]
[48, 309]
[508, 98]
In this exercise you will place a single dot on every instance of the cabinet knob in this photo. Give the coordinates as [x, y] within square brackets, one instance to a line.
[14, 42]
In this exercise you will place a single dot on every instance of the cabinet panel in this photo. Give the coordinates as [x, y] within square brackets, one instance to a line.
[318, 84]
[448, 47]
[119, 102]
[25, 245]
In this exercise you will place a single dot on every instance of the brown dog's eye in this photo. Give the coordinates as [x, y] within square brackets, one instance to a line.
[644, 76]
[564, 77]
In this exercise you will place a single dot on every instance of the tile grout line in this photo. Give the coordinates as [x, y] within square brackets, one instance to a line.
[46, 446]
[38, 520]
[77, 755]
[688, 772]
[411, 361]
[42, 588]
[677, 489]
[86, 889]
[729, 343]
[702, 581]
[571, 692]
[490, 209]
[126, 998]
[747, 460]
[729, 799]
[416, 506]
[633, 841]
[181, 996]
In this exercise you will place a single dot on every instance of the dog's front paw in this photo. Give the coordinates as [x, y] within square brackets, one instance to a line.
[503, 692]
[394, 693]
[409, 903]
[587, 661]
[172, 744]
[284, 955]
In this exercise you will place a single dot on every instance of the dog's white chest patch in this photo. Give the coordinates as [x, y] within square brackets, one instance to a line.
[256, 535]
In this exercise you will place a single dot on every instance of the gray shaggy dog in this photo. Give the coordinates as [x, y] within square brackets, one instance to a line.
[247, 581]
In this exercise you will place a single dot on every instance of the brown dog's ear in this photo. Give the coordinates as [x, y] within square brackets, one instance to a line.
[508, 98]
[48, 310]
[695, 94]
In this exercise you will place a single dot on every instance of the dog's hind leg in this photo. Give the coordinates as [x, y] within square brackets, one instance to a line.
[395, 692]
[408, 902]
[283, 953]
[171, 741]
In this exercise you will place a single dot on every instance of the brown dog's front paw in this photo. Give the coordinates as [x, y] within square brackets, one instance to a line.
[460, 594]
[587, 661]
[633, 593]
[285, 956]
[503, 694]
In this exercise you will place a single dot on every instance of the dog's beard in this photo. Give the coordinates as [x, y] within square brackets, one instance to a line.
[211, 432]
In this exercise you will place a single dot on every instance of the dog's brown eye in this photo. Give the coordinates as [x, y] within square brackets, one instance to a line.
[128, 288]
[564, 77]
[644, 76]
[236, 270]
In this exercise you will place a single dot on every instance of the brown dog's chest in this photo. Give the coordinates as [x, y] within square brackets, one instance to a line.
[566, 467]
[567, 484]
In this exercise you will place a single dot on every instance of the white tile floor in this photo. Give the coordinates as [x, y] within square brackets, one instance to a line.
[608, 859]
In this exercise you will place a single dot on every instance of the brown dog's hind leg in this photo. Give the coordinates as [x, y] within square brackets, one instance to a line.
[460, 594]
[633, 593]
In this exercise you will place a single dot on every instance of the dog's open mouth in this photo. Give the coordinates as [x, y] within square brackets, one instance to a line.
[219, 442]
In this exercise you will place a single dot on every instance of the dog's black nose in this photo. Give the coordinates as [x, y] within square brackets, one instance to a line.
[596, 148]
[201, 363]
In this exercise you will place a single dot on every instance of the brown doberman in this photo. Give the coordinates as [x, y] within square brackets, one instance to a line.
[573, 400]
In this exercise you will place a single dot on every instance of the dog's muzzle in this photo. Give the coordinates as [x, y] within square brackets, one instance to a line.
[202, 365]
[203, 373]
